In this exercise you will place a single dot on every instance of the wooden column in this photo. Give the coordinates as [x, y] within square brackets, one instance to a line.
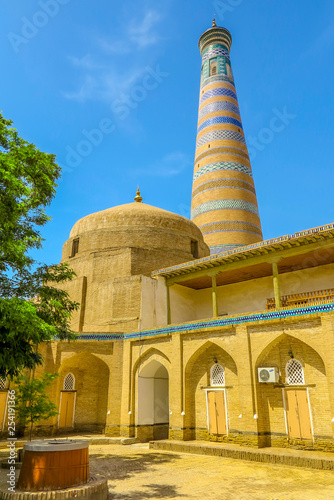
[214, 297]
[169, 316]
[277, 290]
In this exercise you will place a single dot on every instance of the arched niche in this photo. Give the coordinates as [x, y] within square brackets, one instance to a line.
[91, 376]
[273, 400]
[198, 378]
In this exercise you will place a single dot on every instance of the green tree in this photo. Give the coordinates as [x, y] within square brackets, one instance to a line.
[32, 308]
[32, 403]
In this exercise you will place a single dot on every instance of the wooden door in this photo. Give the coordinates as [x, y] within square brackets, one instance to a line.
[66, 410]
[3, 407]
[298, 414]
[217, 412]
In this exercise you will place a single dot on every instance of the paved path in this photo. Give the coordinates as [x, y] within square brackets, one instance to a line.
[137, 473]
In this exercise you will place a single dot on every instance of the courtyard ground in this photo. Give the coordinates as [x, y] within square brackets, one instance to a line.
[135, 472]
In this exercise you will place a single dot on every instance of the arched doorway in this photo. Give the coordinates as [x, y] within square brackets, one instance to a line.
[297, 405]
[153, 402]
[67, 402]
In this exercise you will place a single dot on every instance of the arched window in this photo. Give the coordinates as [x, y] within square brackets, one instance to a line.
[213, 68]
[69, 382]
[3, 383]
[217, 375]
[294, 373]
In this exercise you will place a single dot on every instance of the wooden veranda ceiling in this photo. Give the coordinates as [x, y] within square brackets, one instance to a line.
[313, 253]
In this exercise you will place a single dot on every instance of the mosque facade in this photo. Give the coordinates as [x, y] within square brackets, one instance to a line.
[198, 329]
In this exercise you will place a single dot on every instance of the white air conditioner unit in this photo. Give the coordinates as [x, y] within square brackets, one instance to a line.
[268, 374]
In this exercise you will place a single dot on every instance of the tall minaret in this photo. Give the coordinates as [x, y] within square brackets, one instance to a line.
[224, 203]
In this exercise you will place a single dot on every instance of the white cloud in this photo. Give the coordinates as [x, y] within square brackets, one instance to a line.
[321, 44]
[170, 165]
[87, 89]
[106, 87]
[86, 62]
[119, 47]
[104, 78]
[138, 34]
[141, 34]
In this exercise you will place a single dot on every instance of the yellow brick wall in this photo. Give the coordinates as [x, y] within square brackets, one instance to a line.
[106, 379]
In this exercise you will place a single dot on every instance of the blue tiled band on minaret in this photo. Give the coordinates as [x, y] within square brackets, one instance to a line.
[214, 107]
[218, 120]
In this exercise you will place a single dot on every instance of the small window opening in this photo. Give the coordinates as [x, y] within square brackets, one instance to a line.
[75, 247]
[294, 373]
[194, 249]
[217, 375]
[208, 145]
[69, 382]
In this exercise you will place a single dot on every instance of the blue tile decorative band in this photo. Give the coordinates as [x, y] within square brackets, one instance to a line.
[213, 107]
[214, 52]
[99, 336]
[226, 165]
[220, 135]
[213, 323]
[232, 321]
[219, 91]
[218, 120]
[224, 205]
[216, 249]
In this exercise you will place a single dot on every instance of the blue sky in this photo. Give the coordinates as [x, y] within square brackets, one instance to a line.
[112, 89]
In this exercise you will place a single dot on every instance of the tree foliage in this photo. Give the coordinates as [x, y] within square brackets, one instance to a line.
[27, 185]
[34, 307]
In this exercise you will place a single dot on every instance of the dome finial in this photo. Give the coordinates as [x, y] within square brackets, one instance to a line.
[214, 25]
[138, 198]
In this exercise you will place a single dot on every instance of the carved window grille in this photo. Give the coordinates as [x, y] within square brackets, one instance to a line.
[217, 375]
[69, 382]
[3, 383]
[294, 373]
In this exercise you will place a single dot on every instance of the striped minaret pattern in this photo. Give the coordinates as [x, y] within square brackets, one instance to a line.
[224, 203]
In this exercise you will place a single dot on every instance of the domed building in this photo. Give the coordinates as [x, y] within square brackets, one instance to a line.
[113, 253]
